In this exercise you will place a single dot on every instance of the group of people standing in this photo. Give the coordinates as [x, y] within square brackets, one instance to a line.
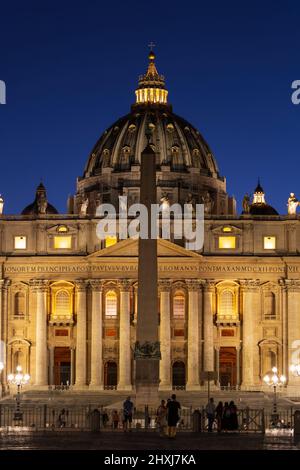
[225, 415]
[167, 417]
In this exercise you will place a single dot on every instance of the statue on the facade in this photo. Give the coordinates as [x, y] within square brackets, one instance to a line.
[1, 204]
[84, 206]
[42, 203]
[292, 204]
[164, 200]
[246, 204]
[208, 203]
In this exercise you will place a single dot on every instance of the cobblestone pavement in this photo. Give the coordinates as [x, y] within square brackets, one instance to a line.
[64, 440]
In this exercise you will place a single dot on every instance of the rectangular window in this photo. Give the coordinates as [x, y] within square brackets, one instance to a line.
[227, 242]
[62, 243]
[269, 243]
[20, 243]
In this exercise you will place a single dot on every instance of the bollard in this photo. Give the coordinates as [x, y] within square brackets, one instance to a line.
[95, 420]
[196, 421]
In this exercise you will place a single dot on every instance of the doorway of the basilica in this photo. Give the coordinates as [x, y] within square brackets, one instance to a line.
[110, 375]
[178, 374]
[62, 366]
[227, 366]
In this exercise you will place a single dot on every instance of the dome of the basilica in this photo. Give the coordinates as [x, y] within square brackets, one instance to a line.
[175, 141]
[186, 168]
[40, 205]
[259, 205]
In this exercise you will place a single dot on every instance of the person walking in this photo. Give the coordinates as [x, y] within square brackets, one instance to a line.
[115, 419]
[161, 418]
[233, 420]
[62, 418]
[127, 414]
[210, 413]
[219, 415]
[226, 417]
[173, 407]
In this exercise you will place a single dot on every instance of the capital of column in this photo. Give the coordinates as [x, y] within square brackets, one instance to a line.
[208, 285]
[124, 285]
[164, 285]
[96, 284]
[80, 285]
[249, 285]
[291, 285]
[193, 284]
[39, 285]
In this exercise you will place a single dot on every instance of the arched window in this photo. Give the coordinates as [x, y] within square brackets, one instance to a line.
[111, 304]
[269, 306]
[20, 304]
[178, 305]
[62, 304]
[226, 303]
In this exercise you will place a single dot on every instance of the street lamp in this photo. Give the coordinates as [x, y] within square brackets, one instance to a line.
[18, 379]
[1, 370]
[275, 381]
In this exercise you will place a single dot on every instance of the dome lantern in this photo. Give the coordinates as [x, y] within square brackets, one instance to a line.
[151, 86]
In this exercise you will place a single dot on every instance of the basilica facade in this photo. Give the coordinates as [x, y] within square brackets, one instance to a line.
[68, 300]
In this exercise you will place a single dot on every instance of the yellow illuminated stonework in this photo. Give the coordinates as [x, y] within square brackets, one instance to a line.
[62, 243]
[110, 240]
[269, 243]
[227, 242]
[20, 243]
[227, 229]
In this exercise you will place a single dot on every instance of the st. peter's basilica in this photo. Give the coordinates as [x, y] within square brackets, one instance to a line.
[68, 300]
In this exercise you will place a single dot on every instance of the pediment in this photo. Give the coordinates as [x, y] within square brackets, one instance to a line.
[221, 230]
[129, 248]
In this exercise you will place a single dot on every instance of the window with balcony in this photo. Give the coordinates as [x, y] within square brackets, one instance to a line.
[179, 306]
[111, 304]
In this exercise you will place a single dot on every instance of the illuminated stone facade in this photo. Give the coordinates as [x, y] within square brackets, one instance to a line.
[68, 301]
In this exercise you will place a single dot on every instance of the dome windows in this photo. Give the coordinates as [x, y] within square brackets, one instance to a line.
[132, 128]
[170, 128]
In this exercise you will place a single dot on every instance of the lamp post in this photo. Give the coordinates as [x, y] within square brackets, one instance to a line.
[275, 381]
[1, 385]
[18, 379]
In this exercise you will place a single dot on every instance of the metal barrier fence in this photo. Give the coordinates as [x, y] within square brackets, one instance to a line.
[42, 417]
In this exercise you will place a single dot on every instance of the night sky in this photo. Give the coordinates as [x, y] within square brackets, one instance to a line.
[71, 68]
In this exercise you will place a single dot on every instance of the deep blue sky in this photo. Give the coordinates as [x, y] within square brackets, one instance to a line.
[71, 68]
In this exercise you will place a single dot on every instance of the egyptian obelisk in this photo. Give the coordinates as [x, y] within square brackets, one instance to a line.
[147, 351]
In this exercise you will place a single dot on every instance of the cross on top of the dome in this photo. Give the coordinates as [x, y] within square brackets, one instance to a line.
[151, 87]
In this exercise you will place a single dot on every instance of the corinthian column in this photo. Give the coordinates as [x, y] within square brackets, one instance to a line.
[3, 355]
[208, 331]
[193, 336]
[80, 379]
[293, 328]
[96, 350]
[124, 341]
[249, 291]
[165, 336]
[40, 287]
